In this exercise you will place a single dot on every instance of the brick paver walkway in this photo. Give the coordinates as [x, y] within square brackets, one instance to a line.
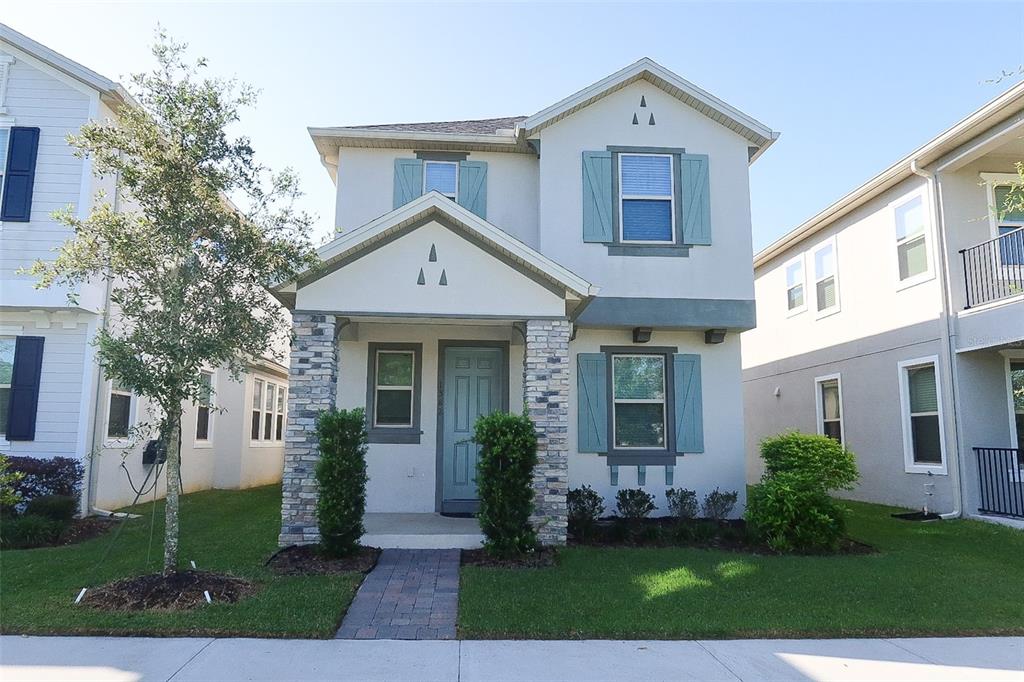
[410, 594]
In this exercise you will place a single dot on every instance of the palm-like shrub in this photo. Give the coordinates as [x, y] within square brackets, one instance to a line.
[341, 477]
[508, 455]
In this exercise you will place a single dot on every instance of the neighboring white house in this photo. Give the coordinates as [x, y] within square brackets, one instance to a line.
[54, 400]
[894, 320]
[591, 262]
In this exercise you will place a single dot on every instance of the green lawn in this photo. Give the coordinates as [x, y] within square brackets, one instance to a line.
[944, 578]
[222, 530]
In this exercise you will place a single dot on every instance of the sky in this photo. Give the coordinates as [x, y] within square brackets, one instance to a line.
[852, 87]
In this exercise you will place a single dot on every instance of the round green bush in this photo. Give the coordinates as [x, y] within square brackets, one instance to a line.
[819, 461]
[341, 477]
[508, 455]
[585, 506]
[792, 518]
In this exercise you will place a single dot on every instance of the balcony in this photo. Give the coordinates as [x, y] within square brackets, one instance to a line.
[1001, 479]
[994, 270]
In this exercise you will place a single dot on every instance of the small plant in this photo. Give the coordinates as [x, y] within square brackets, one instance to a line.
[718, 504]
[585, 507]
[9, 495]
[682, 503]
[508, 455]
[634, 504]
[30, 530]
[341, 477]
[57, 507]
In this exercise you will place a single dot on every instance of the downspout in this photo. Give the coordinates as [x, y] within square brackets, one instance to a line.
[951, 381]
[96, 440]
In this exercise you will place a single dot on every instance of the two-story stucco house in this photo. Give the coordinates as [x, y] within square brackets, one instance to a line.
[894, 321]
[591, 262]
[54, 399]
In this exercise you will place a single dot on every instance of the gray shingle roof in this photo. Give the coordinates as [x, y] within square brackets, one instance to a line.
[482, 126]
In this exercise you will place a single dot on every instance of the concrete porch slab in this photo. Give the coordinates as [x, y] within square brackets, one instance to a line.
[421, 531]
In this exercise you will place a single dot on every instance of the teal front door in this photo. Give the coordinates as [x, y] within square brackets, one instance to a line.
[473, 386]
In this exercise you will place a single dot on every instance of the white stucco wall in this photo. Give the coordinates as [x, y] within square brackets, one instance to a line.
[722, 270]
[478, 283]
[366, 179]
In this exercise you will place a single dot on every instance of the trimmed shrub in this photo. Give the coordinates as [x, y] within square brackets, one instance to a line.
[341, 477]
[30, 530]
[718, 504]
[682, 503]
[791, 509]
[508, 455]
[52, 476]
[9, 479]
[634, 503]
[57, 507]
[585, 507]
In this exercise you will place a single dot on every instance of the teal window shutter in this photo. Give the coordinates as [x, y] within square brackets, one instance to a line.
[695, 206]
[689, 407]
[597, 197]
[592, 409]
[473, 187]
[408, 181]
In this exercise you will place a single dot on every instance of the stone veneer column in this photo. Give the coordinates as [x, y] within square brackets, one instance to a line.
[312, 388]
[546, 392]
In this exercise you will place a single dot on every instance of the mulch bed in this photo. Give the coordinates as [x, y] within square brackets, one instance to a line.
[541, 558]
[80, 530]
[177, 591]
[307, 560]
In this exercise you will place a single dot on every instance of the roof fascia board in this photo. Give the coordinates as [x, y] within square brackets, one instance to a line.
[414, 136]
[59, 62]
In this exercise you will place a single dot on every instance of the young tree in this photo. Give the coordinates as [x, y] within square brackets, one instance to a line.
[208, 231]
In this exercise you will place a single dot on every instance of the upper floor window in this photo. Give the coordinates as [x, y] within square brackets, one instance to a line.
[639, 404]
[441, 176]
[1009, 219]
[646, 198]
[204, 407]
[795, 286]
[911, 239]
[826, 286]
[6, 373]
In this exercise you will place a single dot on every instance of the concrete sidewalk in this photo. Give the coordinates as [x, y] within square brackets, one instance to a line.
[124, 659]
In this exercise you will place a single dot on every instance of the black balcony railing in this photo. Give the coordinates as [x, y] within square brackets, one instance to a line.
[1001, 476]
[994, 269]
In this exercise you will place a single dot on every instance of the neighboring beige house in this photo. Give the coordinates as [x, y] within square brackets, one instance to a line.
[54, 400]
[894, 321]
[591, 262]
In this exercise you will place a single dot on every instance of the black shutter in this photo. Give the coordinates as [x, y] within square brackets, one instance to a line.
[20, 175]
[28, 365]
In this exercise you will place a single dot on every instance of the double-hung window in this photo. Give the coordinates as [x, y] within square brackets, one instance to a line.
[924, 446]
[441, 176]
[1010, 229]
[795, 302]
[826, 285]
[394, 389]
[6, 374]
[1017, 402]
[204, 407]
[268, 401]
[647, 205]
[119, 411]
[830, 406]
[911, 238]
[639, 410]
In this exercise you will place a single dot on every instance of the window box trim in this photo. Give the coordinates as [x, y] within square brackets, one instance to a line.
[402, 435]
[820, 404]
[928, 236]
[910, 466]
[831, 241]
[802, 260]
[645, 456]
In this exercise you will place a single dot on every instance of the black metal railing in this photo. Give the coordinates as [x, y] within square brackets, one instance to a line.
[1001, 476]
[994, 269]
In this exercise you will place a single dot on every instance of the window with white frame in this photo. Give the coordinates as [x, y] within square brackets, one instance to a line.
[639, 410]
[394, 389]
[268, 411]
[795, 286]
[119, 411]
[204, 407]
[922, 414]
[1017, 398]
[830, 406]
[911, 238]
[1009, 221]
[646, 202]
[441, 176]
[826, 286]
[6, 373]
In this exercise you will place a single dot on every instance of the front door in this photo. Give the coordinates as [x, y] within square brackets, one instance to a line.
[473, 386]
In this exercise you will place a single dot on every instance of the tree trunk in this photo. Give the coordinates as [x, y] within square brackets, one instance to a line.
[173, 469]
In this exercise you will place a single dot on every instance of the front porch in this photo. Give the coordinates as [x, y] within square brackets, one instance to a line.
[421, 531]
